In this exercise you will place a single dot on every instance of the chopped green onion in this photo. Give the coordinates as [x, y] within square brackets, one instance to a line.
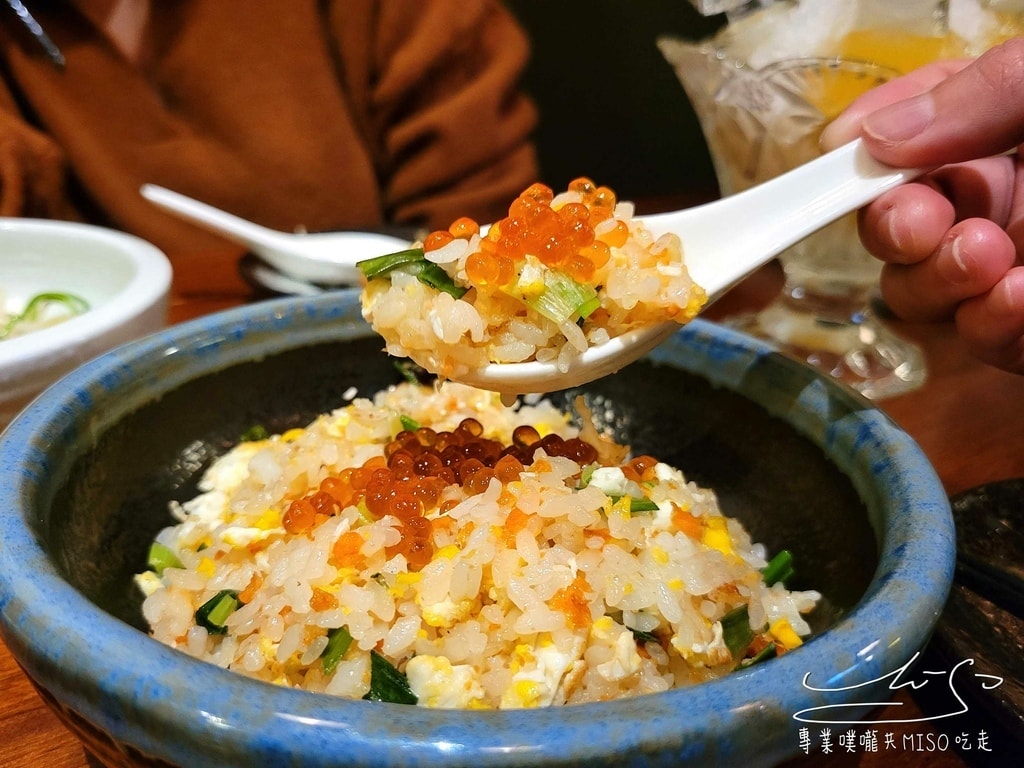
[160, 557]
[768, 652]
[736, 632]
[637, 504]
[587, 474]
[431, 274]
[254, 433]
[779, 568]
[410, 372]
[414, 263]
[387, 683]
[381, 265]
[642, 636]
[75, 305]
[642, 505]
[587, 307]
[338, 641]
[561, 299]
[409, 423]
[214, 612]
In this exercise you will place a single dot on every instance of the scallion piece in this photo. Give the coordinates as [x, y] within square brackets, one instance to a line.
[768, 652]
[587, 307]
[431, 274]
[736, 632]
[411, 372]
[381, 265]
[642, 505]
[160, 557]
[414, 263]
[562, 298]
[779, 568]
[338, 641]
[587, 474]
[75, 305]
[643, 637]
[214, 612]
[637, 504]
[409, 423]
[254, 433]
[387, 683]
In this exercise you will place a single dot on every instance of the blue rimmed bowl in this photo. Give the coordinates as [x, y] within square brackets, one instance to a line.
[89, 467]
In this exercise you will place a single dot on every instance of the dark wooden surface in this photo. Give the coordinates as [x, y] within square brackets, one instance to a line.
[967, 418]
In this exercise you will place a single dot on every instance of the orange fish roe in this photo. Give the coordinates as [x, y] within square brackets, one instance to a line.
[558, 275]
[562, 238]
[407, 481]
[536, 576]
[464, 227]
[300, 516]
[436, 240]
[640, 469]
[347, 548]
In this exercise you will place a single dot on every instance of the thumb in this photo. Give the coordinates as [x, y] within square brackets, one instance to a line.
[976, 112]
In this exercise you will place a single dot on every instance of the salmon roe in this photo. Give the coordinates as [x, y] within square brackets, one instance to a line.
[408, 480]
[561, 238]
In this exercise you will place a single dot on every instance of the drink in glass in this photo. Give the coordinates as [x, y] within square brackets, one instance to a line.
[763, 89]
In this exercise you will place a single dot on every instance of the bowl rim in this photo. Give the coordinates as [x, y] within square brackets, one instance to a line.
[149, 284]
[195, 704]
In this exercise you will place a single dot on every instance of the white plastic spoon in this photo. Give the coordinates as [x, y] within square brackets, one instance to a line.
[326, 258]
[723, 242]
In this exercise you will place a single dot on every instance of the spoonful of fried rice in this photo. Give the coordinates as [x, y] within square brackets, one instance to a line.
[571, 287]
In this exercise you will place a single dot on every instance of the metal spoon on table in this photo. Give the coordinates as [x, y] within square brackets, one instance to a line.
[324, 258]
[723, 242]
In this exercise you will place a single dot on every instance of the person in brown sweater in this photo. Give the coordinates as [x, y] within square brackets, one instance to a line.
[297, 114]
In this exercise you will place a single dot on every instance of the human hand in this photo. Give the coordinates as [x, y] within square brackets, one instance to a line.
[952, 243]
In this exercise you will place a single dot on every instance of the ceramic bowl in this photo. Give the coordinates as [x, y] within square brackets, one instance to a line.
[89, 469]
[124, 280]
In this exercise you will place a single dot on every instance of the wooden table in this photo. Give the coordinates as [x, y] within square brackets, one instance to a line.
[967, 418]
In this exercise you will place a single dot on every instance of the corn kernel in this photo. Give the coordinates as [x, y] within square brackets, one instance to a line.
[783, 631]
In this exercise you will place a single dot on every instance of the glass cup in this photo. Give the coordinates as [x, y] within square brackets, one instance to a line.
[758, 123]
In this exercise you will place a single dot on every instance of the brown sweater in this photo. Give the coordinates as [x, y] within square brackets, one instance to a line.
[299, 114]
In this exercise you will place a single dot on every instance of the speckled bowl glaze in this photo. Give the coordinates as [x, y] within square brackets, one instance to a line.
[88, 469]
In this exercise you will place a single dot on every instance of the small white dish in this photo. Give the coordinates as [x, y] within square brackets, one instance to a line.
[125, 281]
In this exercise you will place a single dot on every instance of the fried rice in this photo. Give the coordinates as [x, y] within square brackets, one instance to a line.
[558, 275]
[429, 545]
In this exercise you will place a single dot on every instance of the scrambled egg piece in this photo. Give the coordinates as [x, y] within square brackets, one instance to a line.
[613, 482]
[783, 631]
[148, 582]
[626, 660]
[542, 674]
[711, 653]
[438, 683]
[716, 536]
[446, 613]
[269, 524]
[228, 472]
